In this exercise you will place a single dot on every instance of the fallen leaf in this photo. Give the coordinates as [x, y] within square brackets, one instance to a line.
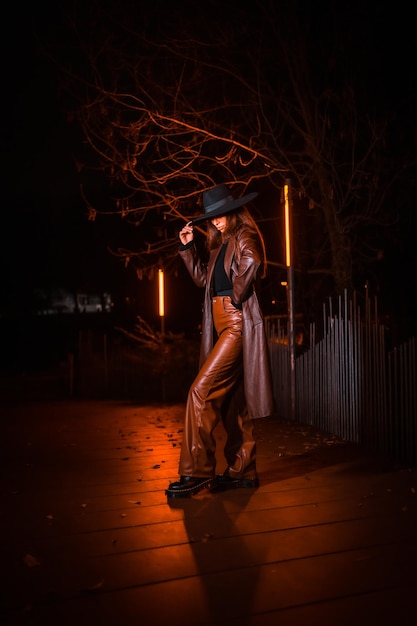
[30, 560]
[94, 588]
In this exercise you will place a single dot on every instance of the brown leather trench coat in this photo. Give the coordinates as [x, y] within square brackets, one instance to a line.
[241, 262]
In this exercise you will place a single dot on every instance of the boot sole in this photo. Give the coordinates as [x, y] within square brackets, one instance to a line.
[189, 491]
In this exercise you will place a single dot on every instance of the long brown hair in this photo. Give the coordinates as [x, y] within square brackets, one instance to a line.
[233, 222]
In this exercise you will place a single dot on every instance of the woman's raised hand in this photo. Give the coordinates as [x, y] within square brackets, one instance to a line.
[186, 234]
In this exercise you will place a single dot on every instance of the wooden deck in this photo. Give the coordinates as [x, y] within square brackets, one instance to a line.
[88, 538]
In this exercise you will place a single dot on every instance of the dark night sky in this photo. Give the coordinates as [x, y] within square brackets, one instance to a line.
[40, 183]
[46, 237]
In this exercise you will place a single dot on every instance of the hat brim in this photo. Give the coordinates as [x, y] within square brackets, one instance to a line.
[226, 208]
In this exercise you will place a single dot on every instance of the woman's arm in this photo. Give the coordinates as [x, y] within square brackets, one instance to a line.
[247, 259]
[192, 261]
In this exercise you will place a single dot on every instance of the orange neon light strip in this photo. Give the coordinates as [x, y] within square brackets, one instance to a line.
[161, 293]
[287, 227]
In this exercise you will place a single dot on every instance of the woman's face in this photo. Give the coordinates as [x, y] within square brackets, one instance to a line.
[219, 222]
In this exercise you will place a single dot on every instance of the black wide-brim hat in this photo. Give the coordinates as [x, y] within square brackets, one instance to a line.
[219, 200]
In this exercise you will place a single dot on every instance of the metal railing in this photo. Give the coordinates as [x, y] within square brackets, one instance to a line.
[348, 383]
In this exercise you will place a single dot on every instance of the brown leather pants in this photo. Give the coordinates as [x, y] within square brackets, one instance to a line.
[217, 393]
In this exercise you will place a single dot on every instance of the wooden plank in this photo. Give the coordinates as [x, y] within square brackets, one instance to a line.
[331, 528]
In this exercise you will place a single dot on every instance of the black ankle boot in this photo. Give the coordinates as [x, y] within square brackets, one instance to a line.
[188, 486]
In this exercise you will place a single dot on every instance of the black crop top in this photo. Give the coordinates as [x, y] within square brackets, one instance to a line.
[222, 284]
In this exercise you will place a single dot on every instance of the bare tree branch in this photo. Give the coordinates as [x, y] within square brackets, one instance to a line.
[169, 111]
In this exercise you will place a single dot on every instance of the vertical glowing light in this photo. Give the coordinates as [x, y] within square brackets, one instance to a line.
[287, 227]
[161, 293]
[290, 297]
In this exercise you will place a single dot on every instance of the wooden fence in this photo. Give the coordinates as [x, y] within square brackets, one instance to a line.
[349, 383]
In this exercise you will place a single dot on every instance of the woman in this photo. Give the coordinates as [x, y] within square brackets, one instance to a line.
[234, 380]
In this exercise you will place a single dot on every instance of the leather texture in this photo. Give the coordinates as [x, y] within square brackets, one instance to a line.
[242, 261]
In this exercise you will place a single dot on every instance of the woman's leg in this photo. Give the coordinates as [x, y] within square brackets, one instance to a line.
[240, 447]
[215, 381]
